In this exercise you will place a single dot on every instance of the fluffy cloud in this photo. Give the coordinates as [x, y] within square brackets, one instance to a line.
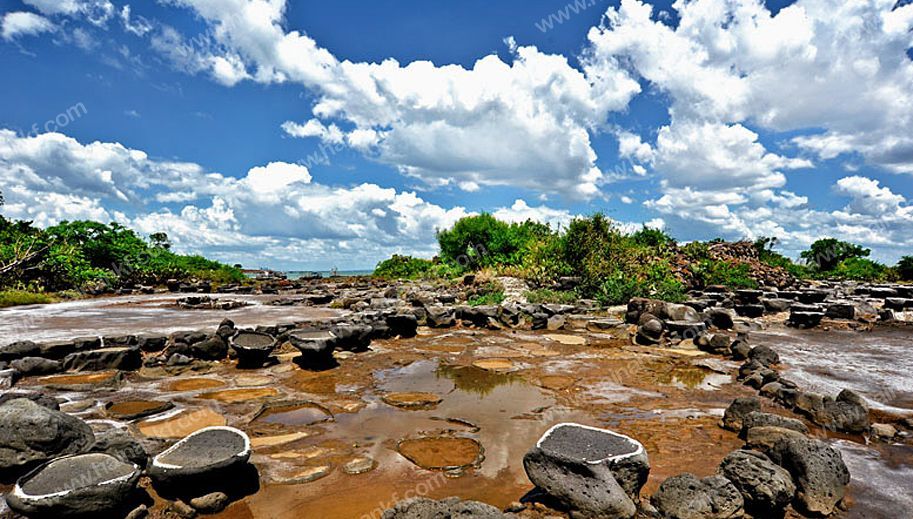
[521, 123]
[16, 24]
[96, 12]
[520, 211]
[273, 210]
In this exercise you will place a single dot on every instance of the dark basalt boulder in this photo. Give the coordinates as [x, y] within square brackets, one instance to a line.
[123, 358]
[766, 487]
[440, 316]
[422, 508]
[208, 454]
[18, 350]
[30, 433]
[252, 348]
[594, 472]
[764, 355]
[211, 348]
[352, 337]
[735, 414]
[316, 346]
[33, 366]
[81, 485]
[759, 419]
[402, 325]
[818, 471]
[687, 497]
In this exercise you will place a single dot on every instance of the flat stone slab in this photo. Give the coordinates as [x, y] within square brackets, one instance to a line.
[495, 364]
[83, 484]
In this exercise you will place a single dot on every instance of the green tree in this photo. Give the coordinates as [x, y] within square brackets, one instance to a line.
[905, 268]
[825, 254]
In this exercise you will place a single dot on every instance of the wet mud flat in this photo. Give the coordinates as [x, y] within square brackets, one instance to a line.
[450, 413]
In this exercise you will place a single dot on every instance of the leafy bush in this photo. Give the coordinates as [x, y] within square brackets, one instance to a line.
[905, 268]
[403, 267]
[860, 269]
[732, 275]
[20, 297]
[545, 295]
[484, 241]
[487, 293]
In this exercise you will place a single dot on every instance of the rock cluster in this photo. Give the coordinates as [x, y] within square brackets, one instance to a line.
[68, 471]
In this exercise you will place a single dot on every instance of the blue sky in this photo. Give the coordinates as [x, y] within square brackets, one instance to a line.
[304, 134]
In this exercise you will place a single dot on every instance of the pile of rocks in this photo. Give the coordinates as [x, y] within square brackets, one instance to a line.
[66, 469]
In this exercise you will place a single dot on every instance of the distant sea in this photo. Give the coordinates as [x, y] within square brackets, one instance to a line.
[295, 274]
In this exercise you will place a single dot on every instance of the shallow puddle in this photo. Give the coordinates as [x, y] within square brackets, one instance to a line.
[441, 453]
[294, 414]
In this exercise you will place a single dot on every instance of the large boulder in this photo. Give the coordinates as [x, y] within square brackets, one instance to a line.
[766, 487]
[316, 346]
[402, 325]
[352, 337]
[765, 355]
[30, 433]
[123, 358]
[32, 366]
[211, 348]
[759, 419]
[252, 348]
[738, 410]
[207, 455]
[722, 318]
[82, 485]
[687, 497]
[422, 508]
[439, 316]
[594, 472]
[18, 350]
[120, 444]
[818, 471]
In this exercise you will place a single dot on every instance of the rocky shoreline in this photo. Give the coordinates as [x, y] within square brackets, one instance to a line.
[785, 467]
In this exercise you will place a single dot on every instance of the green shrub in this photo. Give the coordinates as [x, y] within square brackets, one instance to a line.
[860, 269]
[20, 298]
[730, 274]
[481, 241]
[492, 298]
[904, 268]
[403, 267]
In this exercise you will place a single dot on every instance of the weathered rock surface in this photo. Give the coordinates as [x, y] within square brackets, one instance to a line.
[737, 410]
[766, 487]
[421, 508]
[687, 497]
[93, 484]
[123, 358]
[594, 472]
[30, 433]
[32, 366]
[818, 471]
[205, 454]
